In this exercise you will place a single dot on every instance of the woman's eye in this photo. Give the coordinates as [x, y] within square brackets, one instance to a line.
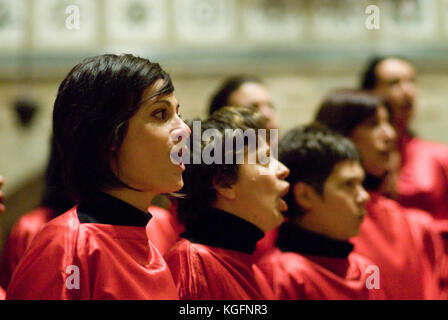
[160, 114]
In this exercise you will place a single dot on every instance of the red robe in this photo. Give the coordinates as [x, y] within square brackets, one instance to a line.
[294, 276]
[113, 262]
[432, 238]
[203, 272]
[265, 245]
[423, 179]
[402, 247]
[162, 230]
[21, 235]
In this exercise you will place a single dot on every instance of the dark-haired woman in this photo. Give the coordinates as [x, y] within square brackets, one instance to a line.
[422, 174]
[115, 122]
[162, 229]
[403, 243]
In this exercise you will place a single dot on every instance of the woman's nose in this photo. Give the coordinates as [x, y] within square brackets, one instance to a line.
[282, 171]
[182, 131]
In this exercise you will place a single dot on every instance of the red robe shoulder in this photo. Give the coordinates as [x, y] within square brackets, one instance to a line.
[21, 235]
[205, 272]
[163, 230]
[402, 244]
[70, 260]
[423, 179]
[294, 276]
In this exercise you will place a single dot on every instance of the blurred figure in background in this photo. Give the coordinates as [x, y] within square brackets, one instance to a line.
[422, 177]
[245, 91]
[55, 201]
[402, 242]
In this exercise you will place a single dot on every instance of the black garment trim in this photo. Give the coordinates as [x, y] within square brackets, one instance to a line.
[105, 209]
[221, 229]
[373, 183]
[291, 237]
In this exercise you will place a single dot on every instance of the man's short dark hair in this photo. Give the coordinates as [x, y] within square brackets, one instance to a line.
[311, 152]
[221, 97]
[343, 110]
[91, 113]
[200, 179]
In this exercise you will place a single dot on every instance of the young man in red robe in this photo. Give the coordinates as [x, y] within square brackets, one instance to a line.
[115, 123]
[326, 206]
[406, 244]
[422, 180]
[227, 208]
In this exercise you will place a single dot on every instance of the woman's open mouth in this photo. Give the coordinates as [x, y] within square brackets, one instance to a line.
[283, 204]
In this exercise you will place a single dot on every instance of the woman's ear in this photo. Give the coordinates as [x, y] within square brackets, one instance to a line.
[305, 195]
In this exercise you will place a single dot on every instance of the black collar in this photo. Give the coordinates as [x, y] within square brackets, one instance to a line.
[105, 209]
[219, 228]
[293, 238]
[373, 183]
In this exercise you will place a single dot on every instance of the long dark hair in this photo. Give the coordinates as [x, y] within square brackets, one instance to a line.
[55, 197]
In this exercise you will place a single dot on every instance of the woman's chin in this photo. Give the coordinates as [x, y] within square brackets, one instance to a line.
[178, 185]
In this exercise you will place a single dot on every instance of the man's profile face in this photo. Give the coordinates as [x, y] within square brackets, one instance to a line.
[340, 210]
[395, 82]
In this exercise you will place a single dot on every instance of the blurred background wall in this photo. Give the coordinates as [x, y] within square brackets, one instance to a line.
[302, 48]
